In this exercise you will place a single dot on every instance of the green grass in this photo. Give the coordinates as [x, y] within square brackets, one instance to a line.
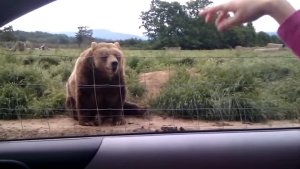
[228, 85]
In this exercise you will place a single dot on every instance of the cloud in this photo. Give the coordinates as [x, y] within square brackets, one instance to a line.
[116, 15]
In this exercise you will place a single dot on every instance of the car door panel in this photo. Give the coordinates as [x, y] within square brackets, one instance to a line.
[259, 149]
[209, 150]
[73, 153]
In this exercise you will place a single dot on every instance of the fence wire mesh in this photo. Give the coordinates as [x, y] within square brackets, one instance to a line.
[182, 91]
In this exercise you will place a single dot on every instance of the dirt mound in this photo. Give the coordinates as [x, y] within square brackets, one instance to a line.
[153, 81]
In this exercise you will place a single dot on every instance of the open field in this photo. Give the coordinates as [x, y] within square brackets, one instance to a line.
[195, 90]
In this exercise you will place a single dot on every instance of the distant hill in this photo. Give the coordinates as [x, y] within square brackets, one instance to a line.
[106, 34]
[41, 37]
[109, 35]
[65, 37]
[272, 33]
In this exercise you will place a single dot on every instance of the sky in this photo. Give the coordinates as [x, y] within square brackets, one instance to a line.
[116, 15]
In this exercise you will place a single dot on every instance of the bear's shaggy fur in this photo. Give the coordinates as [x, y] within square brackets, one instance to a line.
[99, 70]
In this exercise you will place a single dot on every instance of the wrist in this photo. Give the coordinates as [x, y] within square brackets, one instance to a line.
[280, 10]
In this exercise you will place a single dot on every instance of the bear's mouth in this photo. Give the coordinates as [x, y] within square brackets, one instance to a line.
[111, 71]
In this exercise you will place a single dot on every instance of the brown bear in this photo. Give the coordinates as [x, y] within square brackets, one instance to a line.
[96, 86]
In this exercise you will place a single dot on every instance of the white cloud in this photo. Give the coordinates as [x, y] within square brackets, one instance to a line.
[116, 15]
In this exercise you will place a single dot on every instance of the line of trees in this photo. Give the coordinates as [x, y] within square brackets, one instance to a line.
[83, 36]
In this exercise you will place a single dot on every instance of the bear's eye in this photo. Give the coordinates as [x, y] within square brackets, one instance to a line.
[117, 55]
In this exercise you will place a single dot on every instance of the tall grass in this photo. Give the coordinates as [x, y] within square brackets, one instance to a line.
[245, 87]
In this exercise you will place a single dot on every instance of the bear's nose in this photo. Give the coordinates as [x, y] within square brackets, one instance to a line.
[114, 64]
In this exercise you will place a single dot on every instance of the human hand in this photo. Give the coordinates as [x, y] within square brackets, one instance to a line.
[246, 11]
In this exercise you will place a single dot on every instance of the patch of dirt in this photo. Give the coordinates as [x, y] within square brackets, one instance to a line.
[65, 126]
[153, 81]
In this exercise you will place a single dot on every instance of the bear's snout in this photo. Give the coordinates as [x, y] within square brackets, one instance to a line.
[114, 65]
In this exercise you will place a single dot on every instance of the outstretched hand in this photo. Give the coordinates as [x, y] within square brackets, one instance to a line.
[244, 11]
[247, 11]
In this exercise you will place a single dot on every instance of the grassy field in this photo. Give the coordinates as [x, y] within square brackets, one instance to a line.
[208, 85]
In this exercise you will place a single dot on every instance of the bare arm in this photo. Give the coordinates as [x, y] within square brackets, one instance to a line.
[289, 21]
[280, 10]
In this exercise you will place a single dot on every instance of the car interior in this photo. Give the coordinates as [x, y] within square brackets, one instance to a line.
[259, 148]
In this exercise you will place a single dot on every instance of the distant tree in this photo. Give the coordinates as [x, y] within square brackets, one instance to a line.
[7, 34]
[262, 38]
[84, 34]
[250, 34]
[275, 39]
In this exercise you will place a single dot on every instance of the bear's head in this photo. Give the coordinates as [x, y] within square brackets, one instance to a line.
[107, 57]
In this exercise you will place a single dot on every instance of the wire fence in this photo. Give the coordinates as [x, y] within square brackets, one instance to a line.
[165, 91]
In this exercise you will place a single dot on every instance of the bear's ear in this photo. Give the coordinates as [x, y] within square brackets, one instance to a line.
[117, 44]
[93, 45]
[89, 53]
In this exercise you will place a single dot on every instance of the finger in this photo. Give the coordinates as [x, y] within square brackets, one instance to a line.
[211, 10]
[231, 21]
[209, 17]
[222, 15]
